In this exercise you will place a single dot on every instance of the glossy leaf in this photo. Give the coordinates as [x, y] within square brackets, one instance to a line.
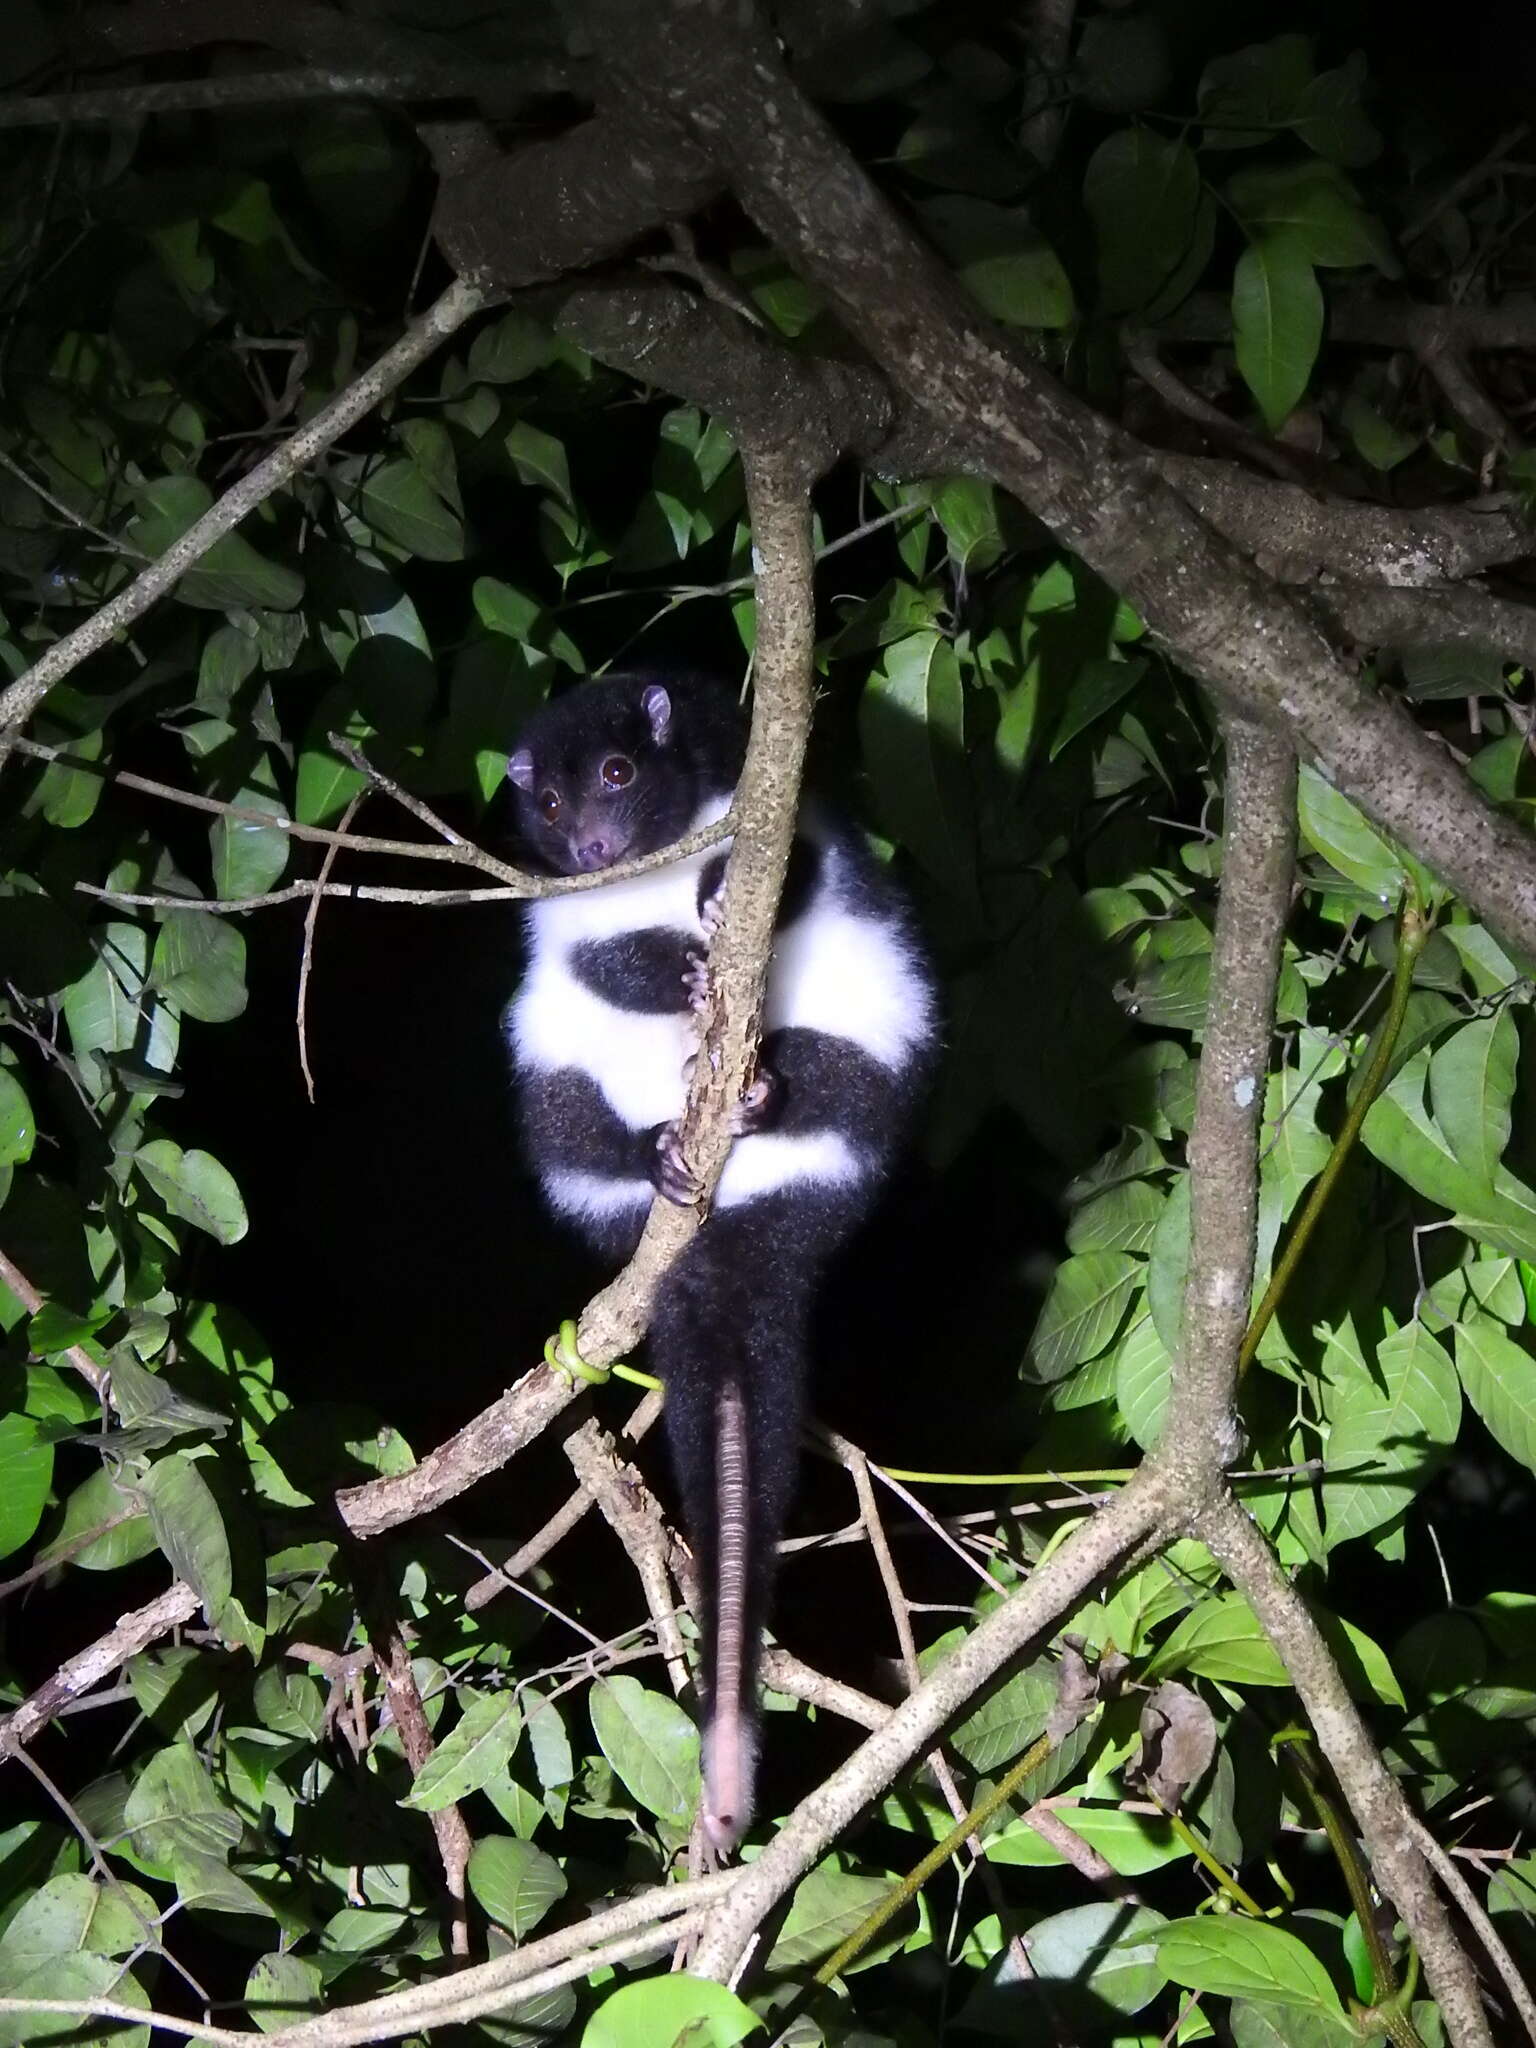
[1240, 1958]
[472, 1753]
[1277, 323]
[651, 1744]
[1088, 1296]
[515, 1882]
[676, 2011]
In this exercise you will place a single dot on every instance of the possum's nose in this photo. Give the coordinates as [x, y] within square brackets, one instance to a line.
[597, 853]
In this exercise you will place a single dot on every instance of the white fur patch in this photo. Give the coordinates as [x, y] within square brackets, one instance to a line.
[848, 976]
[771, 1160]
[666, 896]
[594, 1195]
[636, 1060]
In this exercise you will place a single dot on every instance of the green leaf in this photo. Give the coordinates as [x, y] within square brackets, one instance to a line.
[515, 1882]
[966, 509]
[1099, 685]
[1241, 1958]
[399, 502]
[1009, 1719]
[1003, 261]
[510, 349]
[1277, 323]
[1143, 1380]
[1168, 1267]
[1130, 1843]
[1316, 210]
[540, 459]
[1401, 1134]
[195, 1187]
[326, 784]
[676, 2011]
[68, 796]
[1089, 1294]
[651, 1744]
[73, 1913]
[232, 574]
[1266, 2026]
[911, 722]
[480, 1744]
[1332, 826]
[1500, 1382]
[1380, 442]
[248, 859]
[109, 1007]
[76, 1979]
[827, 1906]
[1247, 96]
[1142, 192]
[26, 1473]
[1388, 1427]
[281, 1990]
[1330, 119]
[18, 1126]
[189, 1528]
[1121, 1220]
[174, 1808]
[199, 965]
[97, 1500]
[1221, 1639]
[1108, 1948]
[1472, 1089]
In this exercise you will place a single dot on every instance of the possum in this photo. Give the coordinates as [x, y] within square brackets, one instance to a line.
[602, 1032]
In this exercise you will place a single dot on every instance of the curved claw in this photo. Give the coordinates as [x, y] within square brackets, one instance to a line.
[671, 1174]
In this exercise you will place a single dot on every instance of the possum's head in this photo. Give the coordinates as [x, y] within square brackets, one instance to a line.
[620, 768]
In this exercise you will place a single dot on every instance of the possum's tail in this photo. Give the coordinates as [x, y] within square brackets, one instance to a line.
[729, 1338]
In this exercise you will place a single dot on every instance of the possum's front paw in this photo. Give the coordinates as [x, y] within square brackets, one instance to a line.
[671, 1175]
[696, 981]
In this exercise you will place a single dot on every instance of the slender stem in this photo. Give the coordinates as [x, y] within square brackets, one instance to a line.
[989, 1804]
[1211, 1863]
[1413, 929]
[1116, 1472]
[1387, 2005]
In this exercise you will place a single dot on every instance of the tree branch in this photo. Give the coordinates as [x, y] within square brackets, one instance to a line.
[88, 1667]
[1374, 1795]
[1224, 621]
[1201, 1436]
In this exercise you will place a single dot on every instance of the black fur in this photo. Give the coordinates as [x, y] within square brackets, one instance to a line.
[733, 1312]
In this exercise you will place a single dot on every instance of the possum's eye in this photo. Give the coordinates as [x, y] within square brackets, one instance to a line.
[549, 803]
[617, 772]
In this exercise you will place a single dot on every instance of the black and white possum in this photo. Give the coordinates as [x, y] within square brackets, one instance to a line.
[602, 1030]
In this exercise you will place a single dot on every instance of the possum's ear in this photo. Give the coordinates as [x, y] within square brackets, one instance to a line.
[657, 706]
[520, 768]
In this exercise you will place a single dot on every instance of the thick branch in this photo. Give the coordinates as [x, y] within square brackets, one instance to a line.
[1201, 1437]
[1223, 620]
[1467, 617]
[1375, 1797]
[1298, 537]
